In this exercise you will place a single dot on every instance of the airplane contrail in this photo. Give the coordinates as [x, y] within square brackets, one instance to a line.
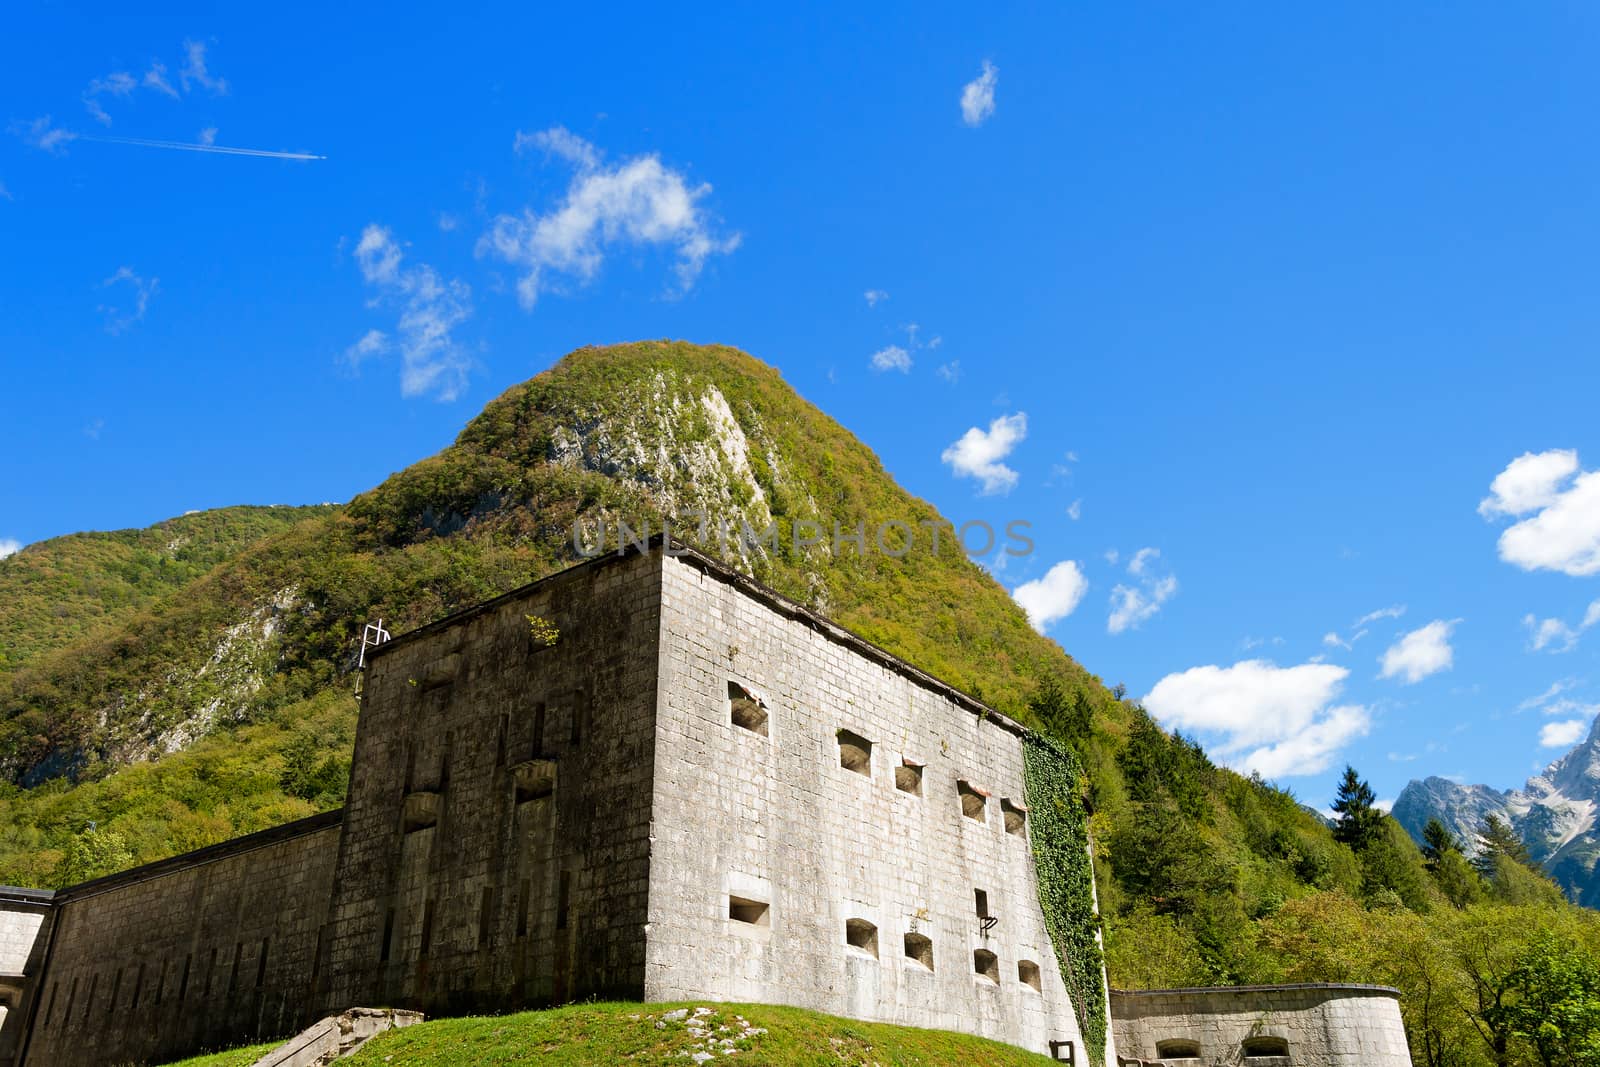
[188, 147]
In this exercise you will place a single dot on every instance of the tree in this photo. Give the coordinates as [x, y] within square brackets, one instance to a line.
[1359, 821]
[1496, 839]
[1558, 1005]
[1436, 841]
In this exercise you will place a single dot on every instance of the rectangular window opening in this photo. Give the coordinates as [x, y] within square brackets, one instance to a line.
[183, 977]
[138, 987]
[1028, 975]
[116, 985]
[919, 949]
[522, 908]
[50, 1003]
[538, 730]
[862, 935]
[745, 709]
[753, 912]
[233, 974]
[563, 899]
[855, 752]
[261, 964]
[986, 964]
[973, 800]
[1016, 816]
[908, 777]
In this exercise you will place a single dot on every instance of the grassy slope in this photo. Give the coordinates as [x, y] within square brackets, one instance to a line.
[604, 1034]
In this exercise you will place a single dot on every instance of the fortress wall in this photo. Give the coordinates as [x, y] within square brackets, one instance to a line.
[208, 949]
[1323, 1025]
[777, 820]
[26, 916]
[496, 846]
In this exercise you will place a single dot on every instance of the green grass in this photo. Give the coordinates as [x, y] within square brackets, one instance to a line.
[617, 1033]
[597, 1034]
[234, 1057]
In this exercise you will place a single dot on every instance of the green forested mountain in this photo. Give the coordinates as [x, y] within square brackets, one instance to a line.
[163, 715]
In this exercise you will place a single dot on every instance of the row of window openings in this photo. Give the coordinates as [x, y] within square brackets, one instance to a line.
[486, 913]
[160, 984]
[1250, 1048]
[862, 935]
[746, 711]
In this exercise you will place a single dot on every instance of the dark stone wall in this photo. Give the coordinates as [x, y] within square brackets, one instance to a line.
[497, 833]
[211, 949]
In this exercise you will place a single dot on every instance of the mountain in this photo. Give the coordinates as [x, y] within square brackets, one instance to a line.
[1554, 814]
[222, 701]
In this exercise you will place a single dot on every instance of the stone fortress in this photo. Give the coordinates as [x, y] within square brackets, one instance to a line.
[645, 778]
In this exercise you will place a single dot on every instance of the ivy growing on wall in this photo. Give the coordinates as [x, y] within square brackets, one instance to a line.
[1066, 880]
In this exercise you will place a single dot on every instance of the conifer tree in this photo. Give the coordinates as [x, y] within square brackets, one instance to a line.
[1359, 821]
[1436, 841]
[1497, 839]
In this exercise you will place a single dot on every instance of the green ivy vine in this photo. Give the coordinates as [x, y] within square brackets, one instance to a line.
[1066, 880]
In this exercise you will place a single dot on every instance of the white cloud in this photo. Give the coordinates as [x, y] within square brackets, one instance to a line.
[432, 361]
[195, 70]
[1424, 651]
[892, 357]
[44, 136]
[875, 296]
[977, 96]
[1397, 757]
[5, 194]
[1551, 635]
[156, 78]
[119, 319]
[372, 343]
[1278, 721]
[1133, 605]
[1055, 596]
[978, 453]
[9, 547]
[118, 83]
[560, 142]
[1385, 805]
[1554, 635]
[1075, 510]
[1562, 734]
[950, 372]
[448, 223]
[1394, 611]
[1557, 505]
[637, 202]
[1333, 640]
[208, 136]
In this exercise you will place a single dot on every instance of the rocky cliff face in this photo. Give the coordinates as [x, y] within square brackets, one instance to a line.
[1554, 814]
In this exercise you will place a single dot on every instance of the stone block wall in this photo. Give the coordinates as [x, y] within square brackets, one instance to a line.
[496, 851]
[772, 856]
[1317, 1025]
[211, 949]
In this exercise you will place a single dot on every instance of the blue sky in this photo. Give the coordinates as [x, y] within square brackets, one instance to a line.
[1277, 295]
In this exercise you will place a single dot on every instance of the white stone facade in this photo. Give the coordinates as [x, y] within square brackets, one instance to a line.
[1311, 1025]
[874, 853]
